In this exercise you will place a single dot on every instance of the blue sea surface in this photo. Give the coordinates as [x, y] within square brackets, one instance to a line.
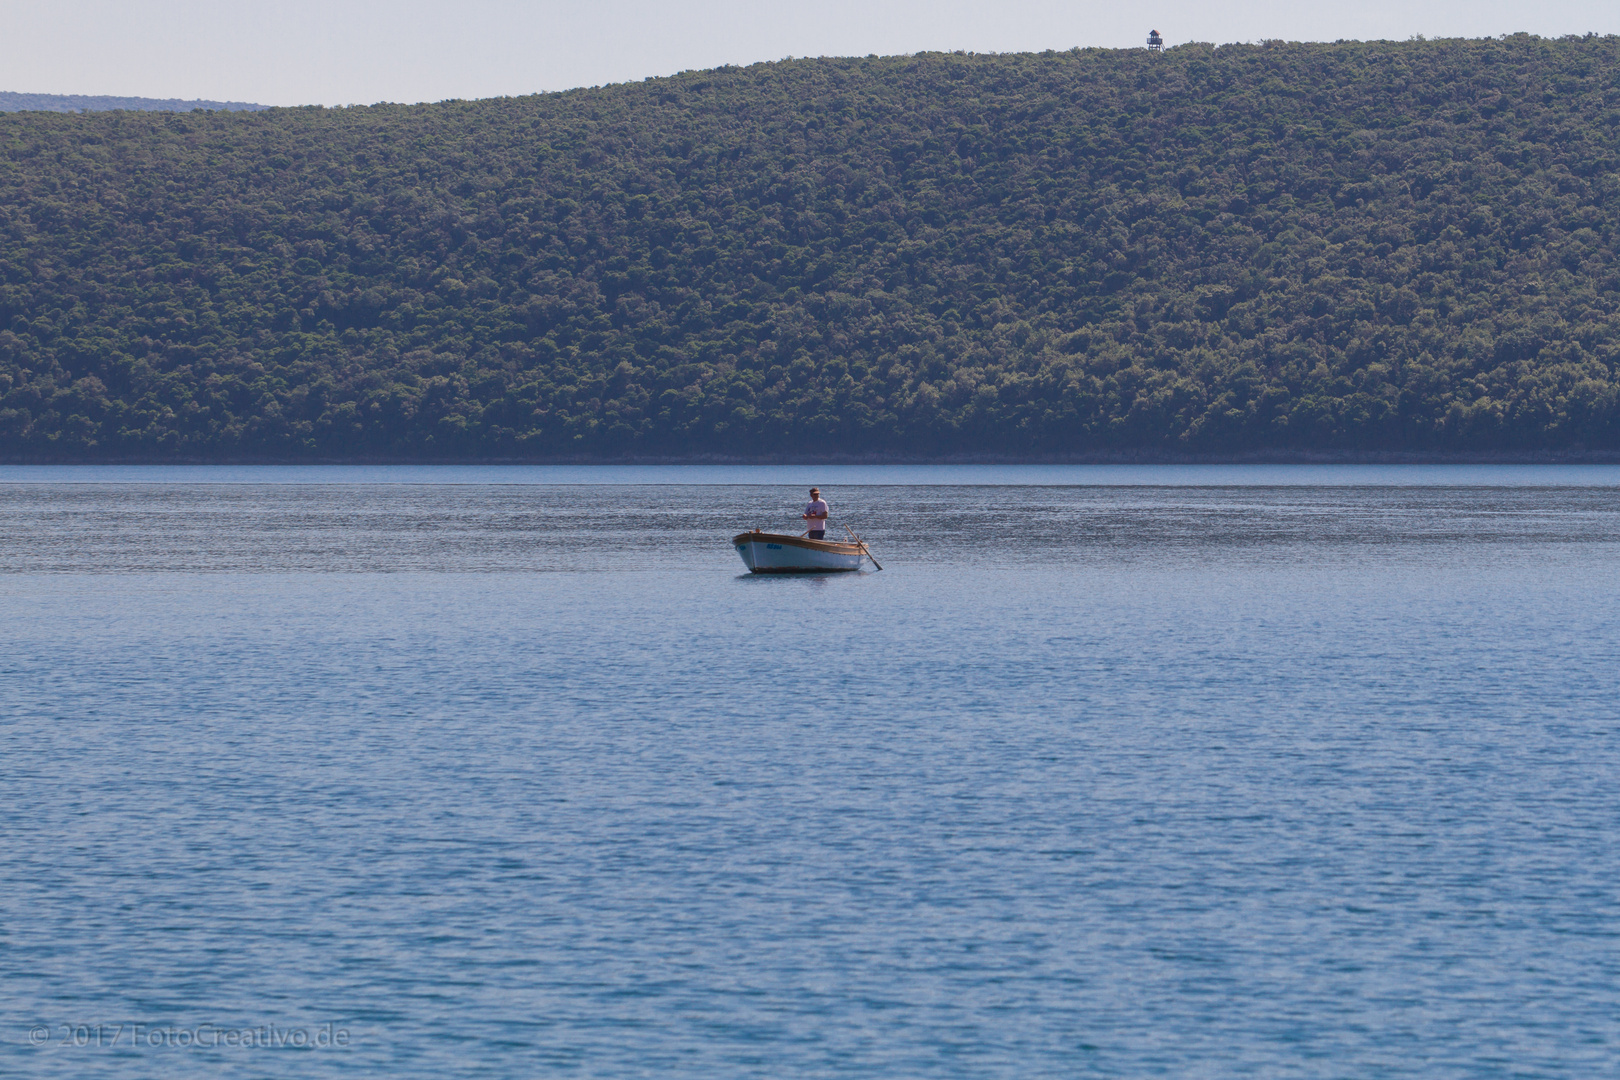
[1111, 771]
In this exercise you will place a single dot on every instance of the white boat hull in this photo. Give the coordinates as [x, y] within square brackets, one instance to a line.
[771, 553]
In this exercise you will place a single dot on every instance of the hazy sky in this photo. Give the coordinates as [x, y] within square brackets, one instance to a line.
[288, 52]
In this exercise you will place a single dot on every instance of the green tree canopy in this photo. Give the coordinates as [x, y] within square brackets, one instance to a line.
[1363, 246]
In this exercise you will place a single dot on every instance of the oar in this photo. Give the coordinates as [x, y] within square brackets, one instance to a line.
[863, 546]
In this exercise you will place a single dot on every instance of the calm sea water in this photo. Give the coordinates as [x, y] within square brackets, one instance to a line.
[1298, 772]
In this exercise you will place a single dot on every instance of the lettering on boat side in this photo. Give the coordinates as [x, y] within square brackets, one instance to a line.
[774, 547]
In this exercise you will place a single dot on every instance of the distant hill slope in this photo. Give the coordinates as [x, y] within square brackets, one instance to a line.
[1378, 246]
[10, 102]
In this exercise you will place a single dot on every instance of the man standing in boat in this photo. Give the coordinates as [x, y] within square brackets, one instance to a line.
[816, 515]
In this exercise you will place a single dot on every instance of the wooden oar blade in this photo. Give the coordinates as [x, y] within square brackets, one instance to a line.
[862, 545]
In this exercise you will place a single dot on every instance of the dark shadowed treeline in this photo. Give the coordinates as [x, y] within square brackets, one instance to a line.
[1387, 246]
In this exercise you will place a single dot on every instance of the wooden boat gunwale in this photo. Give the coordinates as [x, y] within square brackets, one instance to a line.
[836, 547]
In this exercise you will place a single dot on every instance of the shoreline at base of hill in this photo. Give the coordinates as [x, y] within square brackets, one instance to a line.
[1117, 457]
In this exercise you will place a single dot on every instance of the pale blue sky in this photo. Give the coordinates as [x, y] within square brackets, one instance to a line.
[287, 52]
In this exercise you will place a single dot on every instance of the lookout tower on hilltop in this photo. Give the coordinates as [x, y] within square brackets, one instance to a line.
[1155, 42]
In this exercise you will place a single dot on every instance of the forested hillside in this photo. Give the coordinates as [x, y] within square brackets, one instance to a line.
[1359, 246]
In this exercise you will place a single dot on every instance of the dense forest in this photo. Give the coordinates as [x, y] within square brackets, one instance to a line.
[1351, 247]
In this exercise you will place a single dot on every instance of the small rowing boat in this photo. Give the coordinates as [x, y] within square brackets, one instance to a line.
[773, 553]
